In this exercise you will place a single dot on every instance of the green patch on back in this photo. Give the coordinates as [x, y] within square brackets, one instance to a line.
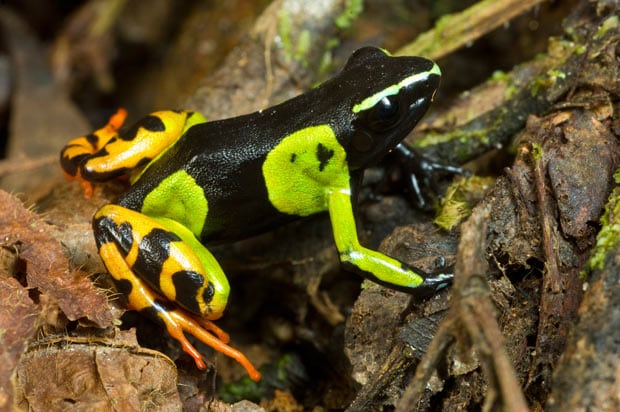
[303, 169]
[180, 198]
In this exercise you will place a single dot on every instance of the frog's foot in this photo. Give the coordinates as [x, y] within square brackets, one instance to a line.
[214, 329]
[431, 285]
[178, 321]
[409, 280]
[81, 149]
[87, 186]
[421, 175]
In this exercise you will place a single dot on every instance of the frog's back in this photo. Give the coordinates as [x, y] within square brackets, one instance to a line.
[212, 179]
[222, 161]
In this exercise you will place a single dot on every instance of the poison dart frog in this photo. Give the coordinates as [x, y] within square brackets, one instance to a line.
[204, 182]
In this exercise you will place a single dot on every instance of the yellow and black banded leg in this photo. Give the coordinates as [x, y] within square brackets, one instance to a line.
[108, 153]
[80, 149]
[168, 275]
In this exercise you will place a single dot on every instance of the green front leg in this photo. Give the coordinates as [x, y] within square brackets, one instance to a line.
[372, 264]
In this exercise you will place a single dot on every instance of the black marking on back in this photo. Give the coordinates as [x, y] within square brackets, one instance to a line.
[293, 157]
[323, 154]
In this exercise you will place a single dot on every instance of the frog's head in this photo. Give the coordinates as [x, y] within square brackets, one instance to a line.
[391, 96]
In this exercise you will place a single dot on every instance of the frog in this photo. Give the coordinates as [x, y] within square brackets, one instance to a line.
[196, 183]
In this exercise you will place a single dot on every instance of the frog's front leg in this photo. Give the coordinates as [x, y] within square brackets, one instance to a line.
[421, 175]
[166, 273]
[372, 264]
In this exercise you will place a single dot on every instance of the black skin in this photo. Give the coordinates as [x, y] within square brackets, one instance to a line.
[409, 171]
[225, 157]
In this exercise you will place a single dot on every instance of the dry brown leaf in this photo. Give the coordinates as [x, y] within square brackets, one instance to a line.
[46, 266]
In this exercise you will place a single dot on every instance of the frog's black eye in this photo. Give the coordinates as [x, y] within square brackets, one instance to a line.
[384, 115]
[387, 108]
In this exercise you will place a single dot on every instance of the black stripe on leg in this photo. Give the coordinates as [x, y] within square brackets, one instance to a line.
[186, 284]
[123, 286]
[107, 231]
[153, 251]
[149, 123]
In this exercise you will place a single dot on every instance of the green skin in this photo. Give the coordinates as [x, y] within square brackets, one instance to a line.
[230, 179]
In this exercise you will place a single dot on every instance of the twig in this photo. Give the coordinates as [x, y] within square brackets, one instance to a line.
[552, 279]
[474, 310]
[459, 30]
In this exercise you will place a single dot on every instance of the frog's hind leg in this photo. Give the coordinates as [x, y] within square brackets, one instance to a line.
[155, 263]
[110, 152]
[81, 149]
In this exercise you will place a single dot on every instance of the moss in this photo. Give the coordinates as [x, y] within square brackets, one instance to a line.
[352, 10]
[537, 151]
[499, 76]
[285, 372]
[284, 31]
[304, 42]
[610, 23]
[546, 81]
[433, 139]
[327, 60]
[556, 74]
[294, 49]
[459, 200]
[609, 235]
